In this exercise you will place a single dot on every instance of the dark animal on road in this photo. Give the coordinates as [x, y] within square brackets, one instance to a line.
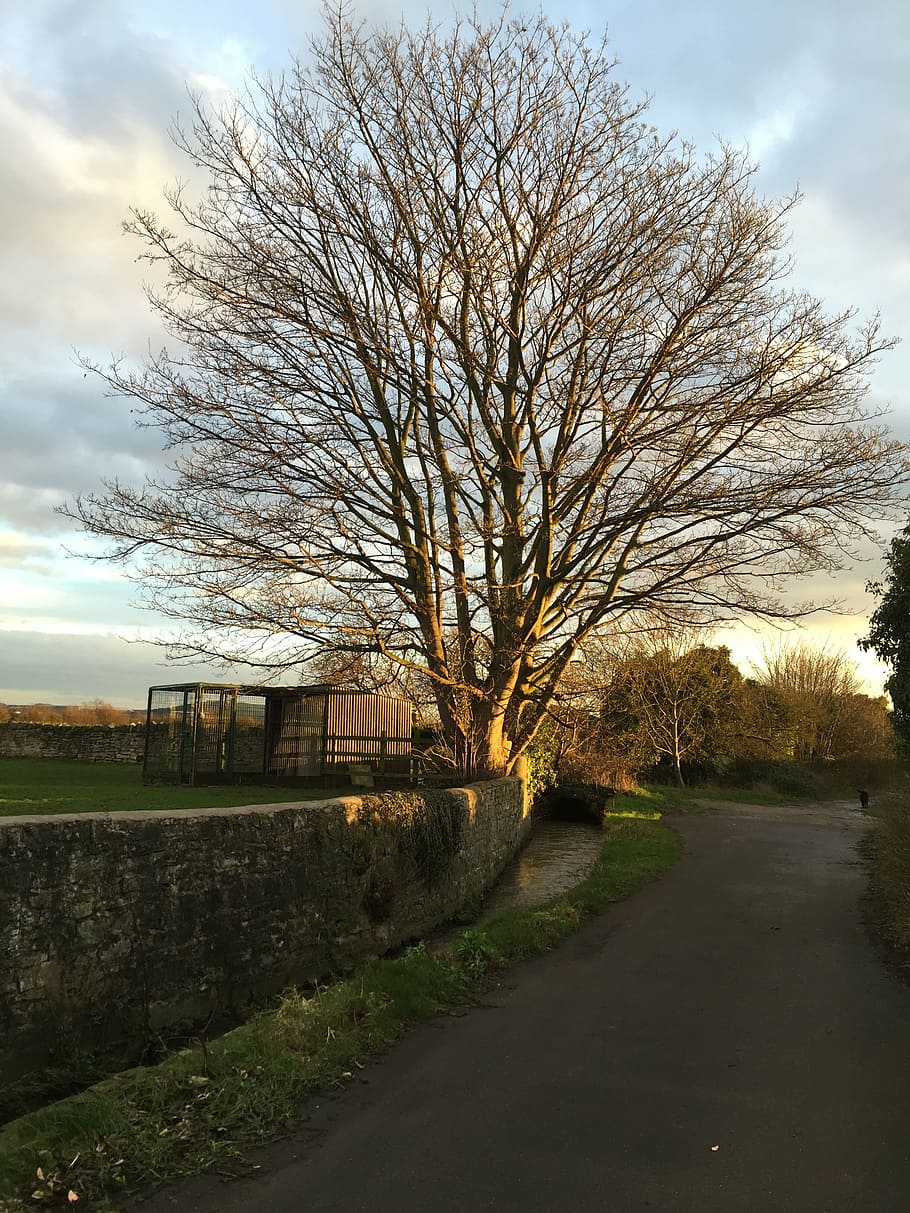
[864, 800]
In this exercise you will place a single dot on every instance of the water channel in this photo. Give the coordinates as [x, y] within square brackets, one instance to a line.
[558, 855]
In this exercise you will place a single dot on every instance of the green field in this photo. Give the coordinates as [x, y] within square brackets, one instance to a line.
[31, 785]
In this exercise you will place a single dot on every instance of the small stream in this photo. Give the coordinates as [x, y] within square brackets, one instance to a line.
[558, 855]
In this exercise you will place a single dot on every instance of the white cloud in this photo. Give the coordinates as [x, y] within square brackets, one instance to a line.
[786, 104]
[65, 267]
[18, 551]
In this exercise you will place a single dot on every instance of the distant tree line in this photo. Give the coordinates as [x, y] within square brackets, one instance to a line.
[669, 705]
[96, 711]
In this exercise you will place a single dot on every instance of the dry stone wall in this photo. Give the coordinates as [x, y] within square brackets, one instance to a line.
[123, 924]
[73, 742]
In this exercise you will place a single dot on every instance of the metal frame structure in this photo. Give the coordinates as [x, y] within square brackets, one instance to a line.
[225, 733]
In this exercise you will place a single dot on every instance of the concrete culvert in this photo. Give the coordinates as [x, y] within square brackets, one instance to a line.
[576, 803]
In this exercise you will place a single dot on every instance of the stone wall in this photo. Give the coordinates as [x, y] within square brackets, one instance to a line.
[124, 924]
[73, 742]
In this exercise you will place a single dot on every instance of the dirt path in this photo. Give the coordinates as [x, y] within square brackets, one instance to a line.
[727, 1041]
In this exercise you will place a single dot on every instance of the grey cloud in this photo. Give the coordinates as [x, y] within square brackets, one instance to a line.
[63, 256]
[40, 667]
[61, 435]
[29, 509]
[85, 105]
[73, 597]
[713, 71]
[841, 72]
[16, 552]
[104, 77]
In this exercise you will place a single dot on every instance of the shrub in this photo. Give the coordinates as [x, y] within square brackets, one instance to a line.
[787, 778]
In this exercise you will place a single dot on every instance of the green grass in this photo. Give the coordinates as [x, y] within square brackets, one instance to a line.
[643, 802]
[29, 786]
[203, 1107]
[688, 799]
[888, 854]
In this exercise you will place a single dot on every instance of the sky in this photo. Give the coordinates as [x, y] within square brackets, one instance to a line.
[819, 90]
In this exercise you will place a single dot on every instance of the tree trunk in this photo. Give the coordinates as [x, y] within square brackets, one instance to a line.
[677, 765]
[492, 752]
[677, 771]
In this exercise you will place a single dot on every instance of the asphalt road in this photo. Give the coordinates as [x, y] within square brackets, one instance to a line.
[726, 1041]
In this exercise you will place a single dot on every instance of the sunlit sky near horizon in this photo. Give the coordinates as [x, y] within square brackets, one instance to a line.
[818, 89]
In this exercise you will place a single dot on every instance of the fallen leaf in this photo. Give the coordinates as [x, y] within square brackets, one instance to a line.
[71, 1196]
[40, 1174]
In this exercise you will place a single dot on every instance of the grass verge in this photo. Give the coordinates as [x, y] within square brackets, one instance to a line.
[888, 854]
[202, 1107]
[43, 786]
[691, 799]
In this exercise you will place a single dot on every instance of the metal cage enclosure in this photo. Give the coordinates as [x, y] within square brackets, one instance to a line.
[208, 733]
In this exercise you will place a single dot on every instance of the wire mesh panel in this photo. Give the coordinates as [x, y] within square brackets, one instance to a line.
[169, 734]
[296, 736]
[214, 714]
[248, 738]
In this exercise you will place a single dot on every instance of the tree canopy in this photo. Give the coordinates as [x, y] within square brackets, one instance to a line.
[671, 703]
[674, 701]
[889, 631]
[470, 362]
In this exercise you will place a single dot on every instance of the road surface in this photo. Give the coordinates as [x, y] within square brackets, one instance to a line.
[726, 1041]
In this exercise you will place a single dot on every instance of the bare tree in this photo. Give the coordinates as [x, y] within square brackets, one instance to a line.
[821, 686]
[598, 742]
[470, 363]
[675, 698]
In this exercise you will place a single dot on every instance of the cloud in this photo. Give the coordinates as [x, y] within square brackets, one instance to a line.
[80, 145]
[46, 668]
[62, 436]
[68, 596]
[819, 88]
[18, 551]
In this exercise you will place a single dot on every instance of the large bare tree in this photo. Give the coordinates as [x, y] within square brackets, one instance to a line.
[469, 363]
